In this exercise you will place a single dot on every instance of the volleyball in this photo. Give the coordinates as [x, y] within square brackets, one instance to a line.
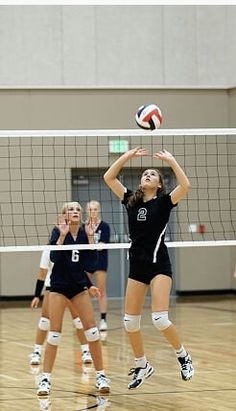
[149, 117]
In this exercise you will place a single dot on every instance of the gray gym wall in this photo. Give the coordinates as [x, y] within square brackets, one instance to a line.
[73, 67]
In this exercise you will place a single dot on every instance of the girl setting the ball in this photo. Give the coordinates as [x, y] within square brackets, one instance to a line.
[148, 211]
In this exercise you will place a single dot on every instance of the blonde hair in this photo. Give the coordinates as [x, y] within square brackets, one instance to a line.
[95, 203]
[69, 204]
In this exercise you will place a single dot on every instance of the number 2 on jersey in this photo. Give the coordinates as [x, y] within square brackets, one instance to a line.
[142, 213]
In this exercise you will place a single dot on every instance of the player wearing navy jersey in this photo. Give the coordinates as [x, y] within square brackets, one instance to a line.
[44, 280]
[101, 232]
[70, 281]
[148, 213]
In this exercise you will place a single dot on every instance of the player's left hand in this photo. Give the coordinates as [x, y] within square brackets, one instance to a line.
[164, 155]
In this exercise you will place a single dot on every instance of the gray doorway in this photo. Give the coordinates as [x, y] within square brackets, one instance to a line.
[88, 184]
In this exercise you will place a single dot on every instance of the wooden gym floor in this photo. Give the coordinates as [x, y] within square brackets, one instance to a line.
[208, 330]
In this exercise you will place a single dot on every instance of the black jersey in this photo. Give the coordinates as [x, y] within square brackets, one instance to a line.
[147, 225]
[101, 235]
[70, 265]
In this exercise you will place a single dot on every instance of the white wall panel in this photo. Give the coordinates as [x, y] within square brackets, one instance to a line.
[212, 45]
[115, 46]
[79, 40]
[230, 46]
[30, 45]
[129, 45]
[180, 45]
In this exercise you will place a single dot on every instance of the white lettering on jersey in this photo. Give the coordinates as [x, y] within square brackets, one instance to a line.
[75, 256]
[142, 214]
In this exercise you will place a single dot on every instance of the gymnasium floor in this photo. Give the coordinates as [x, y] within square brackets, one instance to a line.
[208, 330]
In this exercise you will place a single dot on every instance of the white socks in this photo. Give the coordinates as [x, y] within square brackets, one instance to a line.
[84, 347]
[181, 352]
[102, 372]
[140, 362]
[38, 348]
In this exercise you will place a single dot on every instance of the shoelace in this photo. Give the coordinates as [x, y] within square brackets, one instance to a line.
[103, 378]
[186, 363]
[134, 371]
[44, 383]
[35, 354]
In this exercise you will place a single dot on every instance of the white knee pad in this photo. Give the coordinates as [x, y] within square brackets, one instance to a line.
[44, 324]
[160, 320]
[54, 338]
[132, 322]
[92, 334]
[77, 323]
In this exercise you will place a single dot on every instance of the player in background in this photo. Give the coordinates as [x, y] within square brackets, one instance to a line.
[70, 281]
[43, 280]
[101, 232]
[148, 210]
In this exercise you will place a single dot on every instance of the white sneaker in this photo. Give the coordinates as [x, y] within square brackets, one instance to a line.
[86, 357]
[44, 386]
[35, 358]
[186, 367]
[102, 383]
[103, 325]
[139, 375]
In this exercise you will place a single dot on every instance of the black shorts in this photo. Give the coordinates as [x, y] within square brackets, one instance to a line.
[93, 270]
[69, 292]
[100, 264]
[144, 272]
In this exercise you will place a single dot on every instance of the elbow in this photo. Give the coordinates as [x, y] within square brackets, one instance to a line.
[106, 178]
[187, 186]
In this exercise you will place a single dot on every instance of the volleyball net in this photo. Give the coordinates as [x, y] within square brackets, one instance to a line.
[41, 170]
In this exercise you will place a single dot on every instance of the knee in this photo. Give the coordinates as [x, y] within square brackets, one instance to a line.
[92, 334]
[54, 338]
[44, 324]
[160, 320]
[77, 323]
[132, 322]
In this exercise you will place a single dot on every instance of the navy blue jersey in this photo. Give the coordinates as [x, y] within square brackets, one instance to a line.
[70, 265]
[101, 235]
[147, 225]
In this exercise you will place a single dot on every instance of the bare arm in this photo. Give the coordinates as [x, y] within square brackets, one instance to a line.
[183, 182]
[111, 174]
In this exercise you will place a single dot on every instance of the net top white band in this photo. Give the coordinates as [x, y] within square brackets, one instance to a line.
[112, 246]
[119, 133]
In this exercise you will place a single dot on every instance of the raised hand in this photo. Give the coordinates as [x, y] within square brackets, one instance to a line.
[63, 225]
[90, 230]
[164, 155]
[137, 152]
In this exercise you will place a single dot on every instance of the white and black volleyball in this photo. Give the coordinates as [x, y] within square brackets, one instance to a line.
[149, 117]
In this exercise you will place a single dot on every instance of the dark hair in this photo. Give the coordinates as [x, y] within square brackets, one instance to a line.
[137, 196]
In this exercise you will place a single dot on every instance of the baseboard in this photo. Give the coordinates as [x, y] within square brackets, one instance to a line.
[204, 292]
